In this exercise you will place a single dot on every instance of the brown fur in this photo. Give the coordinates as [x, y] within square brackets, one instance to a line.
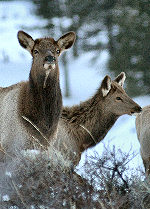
[97, 115]
[38, 100]
[41, 106]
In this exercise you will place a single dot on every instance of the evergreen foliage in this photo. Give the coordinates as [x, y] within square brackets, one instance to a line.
[126, 24]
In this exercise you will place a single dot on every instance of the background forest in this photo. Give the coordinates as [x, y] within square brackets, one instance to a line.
[126, 25]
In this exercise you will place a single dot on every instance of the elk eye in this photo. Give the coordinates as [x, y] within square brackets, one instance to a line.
[118, 98]
[58, 51]
[36, 51]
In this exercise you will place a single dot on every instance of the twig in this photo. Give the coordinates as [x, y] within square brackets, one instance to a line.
[101, 204]
[88, 132]
[28, 120]
[39, 142]
[2, 150]
[18, 193]
[72, 204]
[108, 194]
[131, 158]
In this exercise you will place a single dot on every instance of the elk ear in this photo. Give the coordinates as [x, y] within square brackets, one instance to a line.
[25, 40]
[120, 79]
[66, 41]
[106, 85]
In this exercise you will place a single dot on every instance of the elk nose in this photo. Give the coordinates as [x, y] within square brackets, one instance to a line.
[138, 109]
[50, 59]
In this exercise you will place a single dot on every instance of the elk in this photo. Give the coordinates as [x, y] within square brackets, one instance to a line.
[31, 110]
[143, 134]
[83, 126]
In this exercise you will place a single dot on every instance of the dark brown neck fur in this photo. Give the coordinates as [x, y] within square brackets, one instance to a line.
[41, 105]
[93, 116]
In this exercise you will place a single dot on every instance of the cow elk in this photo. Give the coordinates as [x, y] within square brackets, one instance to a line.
[83, 126]
[143, 133]
[30, 111]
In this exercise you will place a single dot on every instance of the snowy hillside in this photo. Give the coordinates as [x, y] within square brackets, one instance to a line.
[84, 79]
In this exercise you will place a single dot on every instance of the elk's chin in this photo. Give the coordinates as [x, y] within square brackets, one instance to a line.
[48, 66]
[134, 113]
[131, 113]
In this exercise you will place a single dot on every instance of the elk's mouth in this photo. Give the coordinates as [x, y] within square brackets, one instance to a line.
[50, 63]
[49, 66]
[136, 111]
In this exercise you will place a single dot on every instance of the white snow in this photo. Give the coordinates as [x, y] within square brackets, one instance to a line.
[5, 198]
[85, 78]
[8, 174]
[19, 15]
[30, 153]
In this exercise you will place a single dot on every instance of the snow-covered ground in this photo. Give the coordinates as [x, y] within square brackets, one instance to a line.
[84, 78]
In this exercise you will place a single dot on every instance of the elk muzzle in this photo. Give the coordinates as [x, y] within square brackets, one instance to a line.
[136, 110]
[50, 62]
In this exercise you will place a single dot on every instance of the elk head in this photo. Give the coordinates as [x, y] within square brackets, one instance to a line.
[45, 53]
[115, 98]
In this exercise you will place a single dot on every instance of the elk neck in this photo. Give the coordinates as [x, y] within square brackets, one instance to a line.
[41, 105]
[89, 122]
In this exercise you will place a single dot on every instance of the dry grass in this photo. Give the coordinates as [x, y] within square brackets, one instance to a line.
[37, 180]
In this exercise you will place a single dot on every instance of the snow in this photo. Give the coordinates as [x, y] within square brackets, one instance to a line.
[84, 77]
[5, 198]
[19, 15]
[30, 153]
[8, 174]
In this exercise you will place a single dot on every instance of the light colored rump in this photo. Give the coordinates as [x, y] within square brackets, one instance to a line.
[143, 133]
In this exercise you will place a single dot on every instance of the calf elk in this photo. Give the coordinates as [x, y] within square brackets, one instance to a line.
[30, 110]
[143, 133]
[83, 126]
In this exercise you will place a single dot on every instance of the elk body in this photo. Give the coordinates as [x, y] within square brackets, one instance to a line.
[29, 111]
[83, 126]
[143, 133]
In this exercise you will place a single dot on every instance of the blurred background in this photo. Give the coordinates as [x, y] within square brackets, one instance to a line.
[112, 36]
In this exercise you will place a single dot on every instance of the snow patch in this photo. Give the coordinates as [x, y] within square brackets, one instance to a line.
[8, 174]
[30, 153]
[5, 198]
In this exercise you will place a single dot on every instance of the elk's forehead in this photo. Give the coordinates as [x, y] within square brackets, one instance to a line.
[117, 87]
[46, 43]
